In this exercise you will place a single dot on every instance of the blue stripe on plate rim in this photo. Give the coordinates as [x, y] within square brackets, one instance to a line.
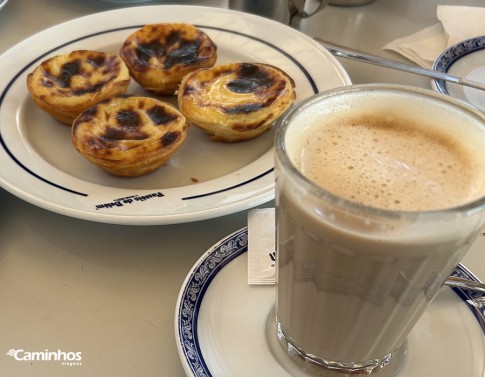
[300, 66]
[452, 55]
[222, 254]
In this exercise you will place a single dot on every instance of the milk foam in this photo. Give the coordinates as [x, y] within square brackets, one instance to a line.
[399, 161]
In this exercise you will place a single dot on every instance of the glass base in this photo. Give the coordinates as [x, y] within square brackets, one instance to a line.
[388, 366]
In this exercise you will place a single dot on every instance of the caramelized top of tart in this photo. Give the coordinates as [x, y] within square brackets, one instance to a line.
[159, 55]
[125, 123]
[77, 74]
[236, 101]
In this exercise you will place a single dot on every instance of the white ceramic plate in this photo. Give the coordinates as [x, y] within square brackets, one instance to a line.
[467, 60]
[204, 179]
[222, 325]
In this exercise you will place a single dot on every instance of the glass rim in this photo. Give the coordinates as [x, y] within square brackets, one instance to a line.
[281, 154]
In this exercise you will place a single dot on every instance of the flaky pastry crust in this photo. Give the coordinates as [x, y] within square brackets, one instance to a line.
[160, 55]
[235, 102]
[66, 85]
[129, 136]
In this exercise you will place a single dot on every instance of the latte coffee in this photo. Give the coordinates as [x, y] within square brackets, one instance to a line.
[380, 192]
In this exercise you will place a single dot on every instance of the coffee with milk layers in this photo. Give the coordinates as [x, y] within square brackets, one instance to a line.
[362, 277]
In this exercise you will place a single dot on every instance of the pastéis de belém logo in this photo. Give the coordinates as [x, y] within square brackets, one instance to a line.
[65, 358]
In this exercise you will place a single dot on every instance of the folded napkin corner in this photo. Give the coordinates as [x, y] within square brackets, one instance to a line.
[456, 23]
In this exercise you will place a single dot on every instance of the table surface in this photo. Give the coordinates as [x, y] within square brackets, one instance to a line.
[109, 291]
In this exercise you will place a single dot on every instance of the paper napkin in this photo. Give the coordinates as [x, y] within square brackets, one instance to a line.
[261, 246]
[457, 23]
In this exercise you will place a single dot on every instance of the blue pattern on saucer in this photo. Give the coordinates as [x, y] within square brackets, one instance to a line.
[225, 252]
[452, 55]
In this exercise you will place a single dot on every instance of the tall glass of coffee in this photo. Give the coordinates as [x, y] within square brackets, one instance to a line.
[380, 190]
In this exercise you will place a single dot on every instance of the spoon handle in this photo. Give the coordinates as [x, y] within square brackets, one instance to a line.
[348, 53]
[471, 285]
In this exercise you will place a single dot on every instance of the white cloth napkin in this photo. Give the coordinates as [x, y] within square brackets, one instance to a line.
[457, 23]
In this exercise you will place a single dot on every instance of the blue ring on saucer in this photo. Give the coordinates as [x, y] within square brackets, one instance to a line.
[454, 53]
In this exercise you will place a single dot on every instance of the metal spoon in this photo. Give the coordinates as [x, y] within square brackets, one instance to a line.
[345, 52]
[470, 285]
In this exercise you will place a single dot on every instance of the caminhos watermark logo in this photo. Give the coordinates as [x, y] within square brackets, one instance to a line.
[65, 358]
